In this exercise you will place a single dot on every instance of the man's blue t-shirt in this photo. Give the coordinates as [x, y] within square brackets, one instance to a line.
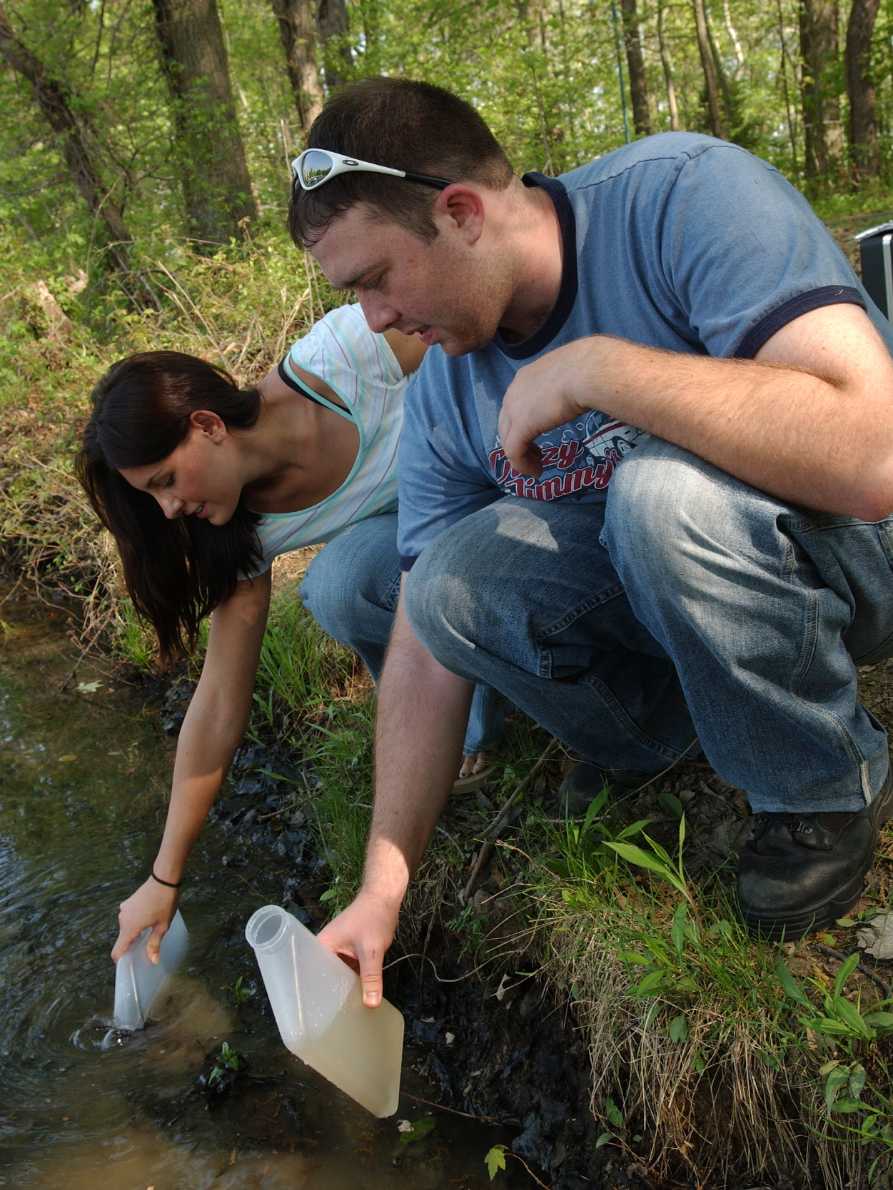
[678, 241]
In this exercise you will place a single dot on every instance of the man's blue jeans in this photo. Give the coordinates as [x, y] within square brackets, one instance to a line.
[351, 589]
[688, 604]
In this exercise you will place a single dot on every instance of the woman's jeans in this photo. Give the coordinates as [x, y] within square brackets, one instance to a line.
[686, 605]
[351, 590]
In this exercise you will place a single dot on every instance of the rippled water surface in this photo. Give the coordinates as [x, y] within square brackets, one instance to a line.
[83, 775]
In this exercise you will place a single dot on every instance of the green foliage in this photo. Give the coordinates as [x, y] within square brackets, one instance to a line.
[656, 859]
[544, 76]
[859, 1107]
[242, 991]
[226, 1059]
[417, 1131]
[495, 1161]
[301, 668]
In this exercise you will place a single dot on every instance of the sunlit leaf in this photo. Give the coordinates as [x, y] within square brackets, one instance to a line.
[614, 1114]
[790, 985]
[678, 1029]
[846, 970]
[495, 1160]
[834, 1084]
[650, 983]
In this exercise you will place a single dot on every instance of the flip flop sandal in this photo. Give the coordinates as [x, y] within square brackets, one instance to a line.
[475, 780]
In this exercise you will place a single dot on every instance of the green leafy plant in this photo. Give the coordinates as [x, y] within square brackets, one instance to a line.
[656, 860]
[495, 1160]
[242, 991]
[857, 1106]
[228, 1059]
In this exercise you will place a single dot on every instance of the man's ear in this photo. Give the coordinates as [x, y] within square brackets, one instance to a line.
[209, 423]
[463, 206]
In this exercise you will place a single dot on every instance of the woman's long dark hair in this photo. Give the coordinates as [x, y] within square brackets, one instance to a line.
[176, 571]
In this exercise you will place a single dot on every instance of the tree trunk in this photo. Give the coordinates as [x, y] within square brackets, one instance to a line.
[708, 64]
[216, 185]
[733, 36]
[667, 66]
[786, 91]
[332, 26]
[66, 116]
[864, 147]
[821, 107]
[298, 34]
[638, 83]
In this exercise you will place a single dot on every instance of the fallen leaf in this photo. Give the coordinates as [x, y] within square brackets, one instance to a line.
[67, 758]
[88, 687]
[876, 936]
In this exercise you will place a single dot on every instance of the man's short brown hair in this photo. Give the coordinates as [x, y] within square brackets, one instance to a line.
[406, 125]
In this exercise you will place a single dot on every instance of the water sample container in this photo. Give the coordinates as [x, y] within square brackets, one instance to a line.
[317, 1001]
[138, 980]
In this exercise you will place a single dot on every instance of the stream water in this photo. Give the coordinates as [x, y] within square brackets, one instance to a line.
[83, 774]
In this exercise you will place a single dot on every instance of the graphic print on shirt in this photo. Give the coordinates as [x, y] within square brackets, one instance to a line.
[575, 457]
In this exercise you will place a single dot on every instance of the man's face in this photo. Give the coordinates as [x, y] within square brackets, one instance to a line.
[430, 289]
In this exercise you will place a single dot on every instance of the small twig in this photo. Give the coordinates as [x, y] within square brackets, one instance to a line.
[272, 814]
[455, 1112]
[492, 957]
[501, 820]
[866, 971]
[544, 1185]
[477, 868]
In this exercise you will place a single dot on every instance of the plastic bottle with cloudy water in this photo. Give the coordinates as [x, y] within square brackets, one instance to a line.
[138, 981]
[317, 1001]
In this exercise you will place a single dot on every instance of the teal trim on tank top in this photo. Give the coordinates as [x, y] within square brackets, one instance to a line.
[342, 411]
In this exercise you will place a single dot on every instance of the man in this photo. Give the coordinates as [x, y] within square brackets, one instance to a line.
[647, 476]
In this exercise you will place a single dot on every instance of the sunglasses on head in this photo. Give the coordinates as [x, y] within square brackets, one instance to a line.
[315, 167]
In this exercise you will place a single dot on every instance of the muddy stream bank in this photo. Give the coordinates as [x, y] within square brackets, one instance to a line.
[85, 762]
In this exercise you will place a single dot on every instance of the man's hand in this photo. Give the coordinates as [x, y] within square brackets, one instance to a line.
[542, 395]
[361, 935]
[151, 905]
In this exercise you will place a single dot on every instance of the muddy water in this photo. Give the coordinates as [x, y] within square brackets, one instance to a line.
[83, 772]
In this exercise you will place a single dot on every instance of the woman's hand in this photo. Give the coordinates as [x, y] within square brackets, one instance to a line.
[361, 935]
[151, 905]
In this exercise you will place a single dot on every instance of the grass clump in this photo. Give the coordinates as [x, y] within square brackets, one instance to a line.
[238, 309]
[710, 1059]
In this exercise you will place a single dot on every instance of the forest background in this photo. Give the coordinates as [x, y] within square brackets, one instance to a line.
[137, 131]
[144, 182]
[145, 150]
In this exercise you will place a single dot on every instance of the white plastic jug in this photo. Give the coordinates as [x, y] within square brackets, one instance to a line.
[138, 980]
[317, 1001]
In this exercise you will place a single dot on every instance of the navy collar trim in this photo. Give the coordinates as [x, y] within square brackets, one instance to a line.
[567, 294]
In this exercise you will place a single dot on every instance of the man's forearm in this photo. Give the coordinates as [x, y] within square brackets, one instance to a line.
[422, 714]
[809, 421]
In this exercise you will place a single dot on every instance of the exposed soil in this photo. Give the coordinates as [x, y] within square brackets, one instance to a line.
[510, 1056]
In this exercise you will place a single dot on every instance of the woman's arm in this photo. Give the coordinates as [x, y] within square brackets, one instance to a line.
[212, 730]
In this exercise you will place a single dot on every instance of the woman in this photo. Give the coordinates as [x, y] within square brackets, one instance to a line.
[202, 485]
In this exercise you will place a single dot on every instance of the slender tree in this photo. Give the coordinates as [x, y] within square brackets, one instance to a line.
[635, 61]
[821, 106]
[333, 26]
[733, 36]
[297, 31]
[785, 68]
[66, 114]
[667, 66]
[216, 185]
[708, 65]
[864, 147]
